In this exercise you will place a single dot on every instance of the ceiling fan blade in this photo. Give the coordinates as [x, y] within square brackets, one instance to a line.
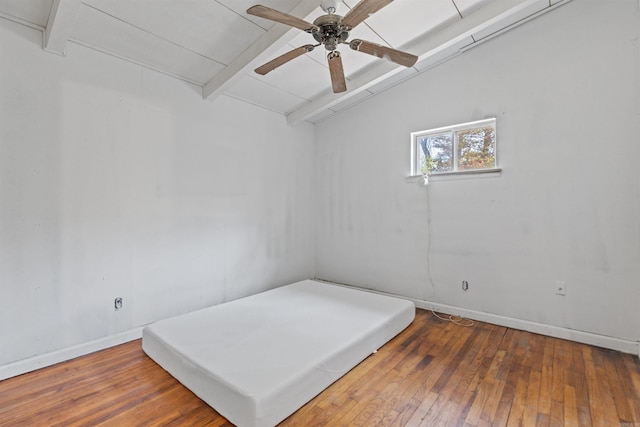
[283, 59]
[281, 17]
[393, 55]
[337, 72]
[361, 11]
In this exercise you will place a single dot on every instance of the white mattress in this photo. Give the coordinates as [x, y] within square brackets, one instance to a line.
[258, 359]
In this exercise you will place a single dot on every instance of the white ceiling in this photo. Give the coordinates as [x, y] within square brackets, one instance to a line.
[216, 45]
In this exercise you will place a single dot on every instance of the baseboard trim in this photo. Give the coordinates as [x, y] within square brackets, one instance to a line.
[625, 346]
[633, 347]
[41, 361]
[583, 337]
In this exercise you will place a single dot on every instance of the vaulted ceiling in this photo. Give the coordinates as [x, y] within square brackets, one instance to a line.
[216, 45]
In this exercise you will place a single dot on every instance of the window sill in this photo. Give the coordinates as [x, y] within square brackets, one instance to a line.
[446, 176]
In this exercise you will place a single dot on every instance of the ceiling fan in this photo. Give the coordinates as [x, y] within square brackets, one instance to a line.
[331, 30]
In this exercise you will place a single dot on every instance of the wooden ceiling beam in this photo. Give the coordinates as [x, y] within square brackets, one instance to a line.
[488, 17]
[278, 34]
[62, 18]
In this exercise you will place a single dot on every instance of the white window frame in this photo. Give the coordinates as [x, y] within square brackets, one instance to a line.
[454, 129]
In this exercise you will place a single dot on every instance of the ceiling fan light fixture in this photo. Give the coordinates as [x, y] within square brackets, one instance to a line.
[329, 6]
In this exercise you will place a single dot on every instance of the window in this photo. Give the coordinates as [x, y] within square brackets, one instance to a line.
[467, 147]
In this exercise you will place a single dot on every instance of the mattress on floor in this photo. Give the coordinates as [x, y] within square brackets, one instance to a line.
[258, 359]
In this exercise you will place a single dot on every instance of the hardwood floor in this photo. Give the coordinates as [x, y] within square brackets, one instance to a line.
[433, 373]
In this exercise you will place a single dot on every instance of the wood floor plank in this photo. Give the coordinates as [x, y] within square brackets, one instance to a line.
[579, 381]
[546, 378]
[616, 384]
[473, 370]
[570, 410]
[603, 411]
[630, 368]
[435, 373]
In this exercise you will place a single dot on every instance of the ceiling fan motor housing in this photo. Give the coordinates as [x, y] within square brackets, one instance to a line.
[331, 32]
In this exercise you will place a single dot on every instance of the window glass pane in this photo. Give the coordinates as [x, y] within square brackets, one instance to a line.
[477, 148]
[436, 153]
[422, 153]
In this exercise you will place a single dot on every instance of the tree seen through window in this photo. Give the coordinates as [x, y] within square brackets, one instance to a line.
[460, 149]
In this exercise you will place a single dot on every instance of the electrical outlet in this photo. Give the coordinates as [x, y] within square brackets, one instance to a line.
[465, 285]
[561, 288]
[117, 304]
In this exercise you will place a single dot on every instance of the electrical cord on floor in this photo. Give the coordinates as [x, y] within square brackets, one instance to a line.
[460, 321]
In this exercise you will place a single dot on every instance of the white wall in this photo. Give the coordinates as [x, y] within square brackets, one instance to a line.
[116, 181]
[565, 90]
